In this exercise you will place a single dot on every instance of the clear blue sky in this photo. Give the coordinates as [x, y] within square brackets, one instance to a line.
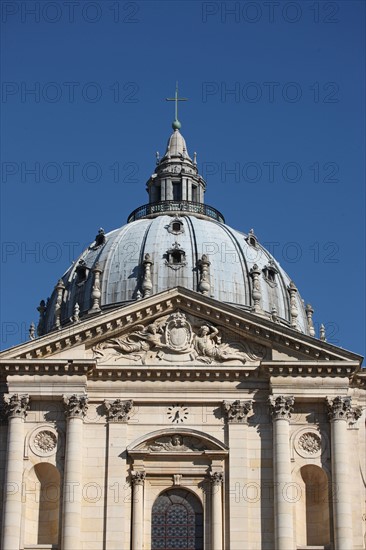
[275, 113]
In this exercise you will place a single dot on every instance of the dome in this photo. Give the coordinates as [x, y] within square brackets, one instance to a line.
[174, 247]
[176, 240]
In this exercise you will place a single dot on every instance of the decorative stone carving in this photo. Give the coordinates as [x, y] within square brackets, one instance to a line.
[96, 293]
[137, 477]
[173, 339]
[60, 287]
[309, 315]
[45, 441]
[204, 285]
[293, 304]
[274, 315]
[282, 406]
[32, 331]
[146, 285]
[16, 405]
[176, 443]
[75, 318]
[216, 478]
[354, 415]
[76, 406]
[117, 411]
[177, 478]
[256, 289]
[42, 314]
[237, 411]
[340, 408]
[310, 443]
[322, 335]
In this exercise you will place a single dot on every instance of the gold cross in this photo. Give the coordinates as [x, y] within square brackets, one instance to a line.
[176, 99]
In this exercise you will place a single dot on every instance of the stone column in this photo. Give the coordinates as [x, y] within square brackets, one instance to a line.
[75, 410]
[237, 414]
[339, 410]
[217, 479]
[16, 411]
[138, 482]
[281, 408]
[162, 190]
[189, 190]
[117, 417]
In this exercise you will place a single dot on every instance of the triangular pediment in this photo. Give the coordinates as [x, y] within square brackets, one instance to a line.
[177, 327]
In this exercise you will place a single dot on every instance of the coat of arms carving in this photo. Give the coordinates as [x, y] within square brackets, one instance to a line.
[177, 339]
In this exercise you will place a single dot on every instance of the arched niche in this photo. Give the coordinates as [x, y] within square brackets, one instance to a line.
[42, 505]
[313, 508]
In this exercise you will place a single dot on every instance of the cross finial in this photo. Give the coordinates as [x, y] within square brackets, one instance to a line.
[176, 124]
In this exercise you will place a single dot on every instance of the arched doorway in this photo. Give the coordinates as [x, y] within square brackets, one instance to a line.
[177, 521]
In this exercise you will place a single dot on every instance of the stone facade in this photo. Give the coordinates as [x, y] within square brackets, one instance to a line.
[268, 437]
[172, 398]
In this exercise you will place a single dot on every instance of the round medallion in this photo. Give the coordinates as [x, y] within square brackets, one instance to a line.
[44, 442]
[308, 444]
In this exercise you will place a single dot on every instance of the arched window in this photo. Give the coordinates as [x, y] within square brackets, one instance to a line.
[177, 521]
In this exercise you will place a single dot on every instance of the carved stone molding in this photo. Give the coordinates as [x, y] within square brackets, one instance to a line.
[237, 411]
[44, 441]
[175, 443]
[176, 339]
[216, 478]
[339, 408]
[118, 410]
[76, 406]
[281, 406]
[137, 477]
[16, 405]
[310, 443]
[353, 416]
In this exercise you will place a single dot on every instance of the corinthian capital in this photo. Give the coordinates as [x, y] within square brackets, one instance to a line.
[76, 406]
[117, 411]
[216, 478]
[237, 411]
[281, 406]
[340, 408]
[16, 405]
[137, 477]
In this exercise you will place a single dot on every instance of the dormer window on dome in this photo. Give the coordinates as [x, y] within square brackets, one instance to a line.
[176, 227]
[252, 239]
[270, 271]
[81, 272]
[176, 256]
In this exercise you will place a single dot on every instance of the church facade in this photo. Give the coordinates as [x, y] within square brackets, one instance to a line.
[175, 396]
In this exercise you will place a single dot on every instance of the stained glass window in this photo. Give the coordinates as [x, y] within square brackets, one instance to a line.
[177, 521]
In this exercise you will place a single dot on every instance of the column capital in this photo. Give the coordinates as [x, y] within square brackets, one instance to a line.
[216, 478]
[75, 405]
[281, 406]
[340, 408]
[138, 477]
[237, 411]
[16, 405]
[117, 411]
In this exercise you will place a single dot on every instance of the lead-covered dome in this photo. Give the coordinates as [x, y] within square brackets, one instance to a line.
[175, 240]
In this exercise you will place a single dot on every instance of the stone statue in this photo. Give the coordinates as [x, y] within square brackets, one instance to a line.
[207, 344]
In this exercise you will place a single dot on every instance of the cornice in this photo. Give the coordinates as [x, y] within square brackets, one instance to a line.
[107, 324]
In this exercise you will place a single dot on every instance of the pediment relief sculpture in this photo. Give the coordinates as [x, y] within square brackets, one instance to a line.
[176, 443]
[177, 339]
